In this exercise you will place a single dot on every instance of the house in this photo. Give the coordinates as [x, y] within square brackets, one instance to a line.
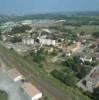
[15, 75]
[47, 41]
[48, 49]
[31, 91]
[86, 58]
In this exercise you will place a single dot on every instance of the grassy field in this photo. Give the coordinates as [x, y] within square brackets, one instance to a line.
[3, 95]
[84, 28]
[38, 77]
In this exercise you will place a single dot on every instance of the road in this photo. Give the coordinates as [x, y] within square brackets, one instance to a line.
[42, 83]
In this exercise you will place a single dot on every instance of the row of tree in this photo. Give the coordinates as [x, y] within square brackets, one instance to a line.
[20, 29]
[66, 78]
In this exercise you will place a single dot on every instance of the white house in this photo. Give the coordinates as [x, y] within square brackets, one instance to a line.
[31, 91]
[86, 58]
[15, 75]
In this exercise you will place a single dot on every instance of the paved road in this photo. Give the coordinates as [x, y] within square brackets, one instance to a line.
[42, 83]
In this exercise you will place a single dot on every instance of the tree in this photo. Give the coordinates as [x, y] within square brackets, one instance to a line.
[20, 29]
[16, 39]
[67, 79]
[83, 71]
[45, 98]
[38, 56]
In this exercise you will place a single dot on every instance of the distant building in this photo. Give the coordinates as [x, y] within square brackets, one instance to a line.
[46, 30]
[15, 74]
[31, 91]
[47, 42]
[10, 24]
[27, 22]
[60, 21]
[97, 43]
[28, 41]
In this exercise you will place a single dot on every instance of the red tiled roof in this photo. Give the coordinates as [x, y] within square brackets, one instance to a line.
[30, 89]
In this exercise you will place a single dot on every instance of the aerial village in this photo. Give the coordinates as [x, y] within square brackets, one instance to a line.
[56, 45]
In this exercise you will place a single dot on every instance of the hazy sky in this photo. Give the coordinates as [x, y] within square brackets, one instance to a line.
[43, 6]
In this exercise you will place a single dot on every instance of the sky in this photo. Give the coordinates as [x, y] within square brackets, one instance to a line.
[22, 7]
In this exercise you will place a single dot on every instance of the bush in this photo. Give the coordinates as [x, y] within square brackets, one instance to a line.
[38, 57]
[20, 29]
[67, 79]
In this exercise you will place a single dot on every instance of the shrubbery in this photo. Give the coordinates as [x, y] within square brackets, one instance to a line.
[20, 29]
[66, 78]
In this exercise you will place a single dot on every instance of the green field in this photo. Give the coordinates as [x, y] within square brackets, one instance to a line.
[3, 95]
[84, 28]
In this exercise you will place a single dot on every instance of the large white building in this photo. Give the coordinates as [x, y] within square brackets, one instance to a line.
[47, 42]
[31, 91]
[28, 41]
